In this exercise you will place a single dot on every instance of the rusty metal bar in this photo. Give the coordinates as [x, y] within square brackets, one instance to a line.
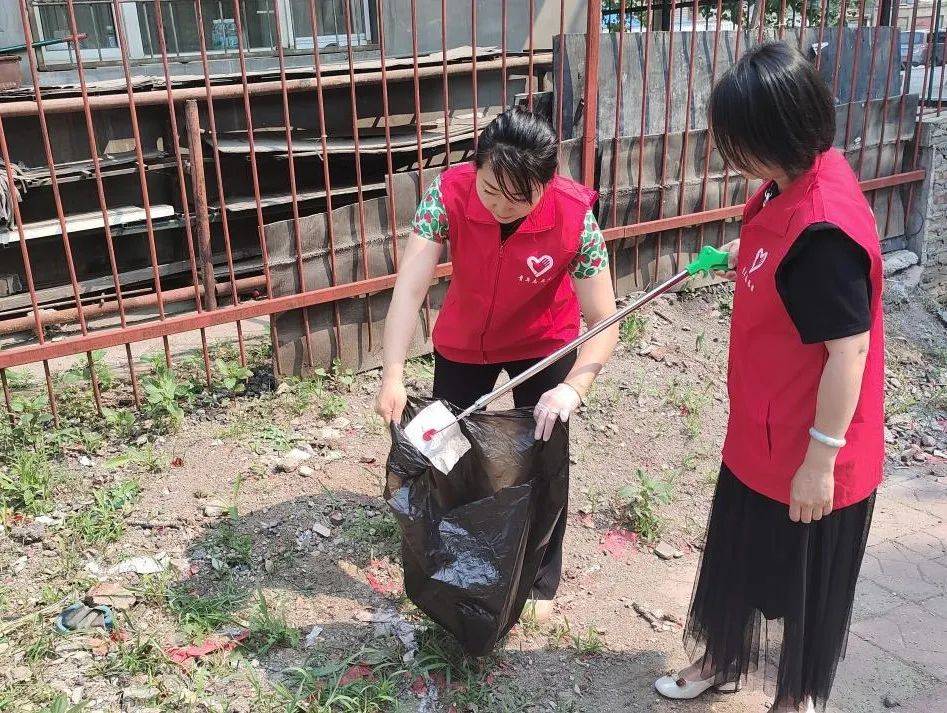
[218, 174]
[142, 177]
[444, 83]
[182, 190]
[531, 71]
[199, 187]
[641, 133]
[259, 308]
[593, 34]
[323, 141]
[504, 64]
[100, 193]
[359, 194]
[100, 102]
[146, 301]
[291, 166]
[708, 144]
[57, 197]
[27, 268]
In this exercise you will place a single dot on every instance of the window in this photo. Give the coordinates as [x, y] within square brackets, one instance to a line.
[95, 20]
[180, 25]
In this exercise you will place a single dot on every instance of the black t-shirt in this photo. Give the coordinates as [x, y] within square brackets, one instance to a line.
[824, 284]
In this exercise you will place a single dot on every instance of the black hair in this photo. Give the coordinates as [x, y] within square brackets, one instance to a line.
[522, 150]
[772, 107]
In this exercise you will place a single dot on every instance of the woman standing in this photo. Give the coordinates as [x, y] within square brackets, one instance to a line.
[805, 446]
[527, 257]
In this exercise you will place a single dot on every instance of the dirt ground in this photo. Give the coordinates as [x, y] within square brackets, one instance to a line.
[261, 523]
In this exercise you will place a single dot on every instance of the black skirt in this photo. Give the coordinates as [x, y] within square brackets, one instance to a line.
[774, 597]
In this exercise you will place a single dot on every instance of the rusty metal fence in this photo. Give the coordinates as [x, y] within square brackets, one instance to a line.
[320, 155]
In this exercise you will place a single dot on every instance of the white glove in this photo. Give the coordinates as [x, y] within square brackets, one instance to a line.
[555, 404]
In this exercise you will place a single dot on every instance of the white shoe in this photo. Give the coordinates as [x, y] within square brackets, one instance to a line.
[679, 689]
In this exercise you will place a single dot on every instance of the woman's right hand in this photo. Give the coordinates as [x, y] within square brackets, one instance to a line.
[391, 400]
[733, 250]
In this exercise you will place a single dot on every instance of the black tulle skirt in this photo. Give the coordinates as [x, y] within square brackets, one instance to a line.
[774, 597]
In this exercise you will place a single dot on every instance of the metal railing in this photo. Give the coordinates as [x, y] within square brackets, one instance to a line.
[444, 91]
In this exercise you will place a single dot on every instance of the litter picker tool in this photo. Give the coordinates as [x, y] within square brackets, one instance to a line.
[435, 431]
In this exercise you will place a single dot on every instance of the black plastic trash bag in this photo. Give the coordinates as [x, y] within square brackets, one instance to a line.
[473, 540]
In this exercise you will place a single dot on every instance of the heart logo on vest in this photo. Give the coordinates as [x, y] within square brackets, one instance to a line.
[539, 265]
[758, 261]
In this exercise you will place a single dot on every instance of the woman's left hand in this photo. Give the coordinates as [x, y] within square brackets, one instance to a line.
[813, 486]
[556, 404]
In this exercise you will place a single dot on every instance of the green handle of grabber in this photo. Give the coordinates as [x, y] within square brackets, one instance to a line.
[708, 260]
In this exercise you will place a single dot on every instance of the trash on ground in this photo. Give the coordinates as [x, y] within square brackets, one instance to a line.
[389, 622]
[312, 638]
[112, 595]
[79, 617]
[620, 543]
[356, 673]
[186, 655]
[142, 564]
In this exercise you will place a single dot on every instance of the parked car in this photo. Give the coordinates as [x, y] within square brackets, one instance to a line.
[919, 52]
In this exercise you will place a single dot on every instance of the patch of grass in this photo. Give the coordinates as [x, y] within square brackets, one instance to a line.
[26, 483]
[691, 403]
[232, 547]
[326, 689]
[20, 380]
[420, 368]
[42, 646]
[132, 658]
[380, 531]
[269, 629]
[200, 615]
[102, 522]
[725, 304]
[588, 643]
[145, 458]
[632, 329]
[637, 506]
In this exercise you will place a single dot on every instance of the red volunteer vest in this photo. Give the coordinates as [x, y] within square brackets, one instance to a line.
[511, 300]
[773, 377]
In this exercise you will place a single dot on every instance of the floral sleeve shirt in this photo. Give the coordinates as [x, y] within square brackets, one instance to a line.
[430, 222]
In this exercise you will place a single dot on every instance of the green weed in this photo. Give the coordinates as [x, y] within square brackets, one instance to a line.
[81, 372]
[200, 615]
[233, 374]
[233, 547]
[632, 329]
[26, 483]
[419, 368]
[134, 657]
[19, 380]
[588, 643]
[61, 704]
[164, 394]
[102, 522]
[268, 628]
[691, 403]
[145, 458]
[637, 506]
[120, 422]
[379, 531]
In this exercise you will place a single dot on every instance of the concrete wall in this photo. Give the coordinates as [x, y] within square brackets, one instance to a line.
[489, 23]
[931, 209]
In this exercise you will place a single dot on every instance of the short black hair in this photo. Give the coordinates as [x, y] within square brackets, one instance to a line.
[772, 107]
[521, 148]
